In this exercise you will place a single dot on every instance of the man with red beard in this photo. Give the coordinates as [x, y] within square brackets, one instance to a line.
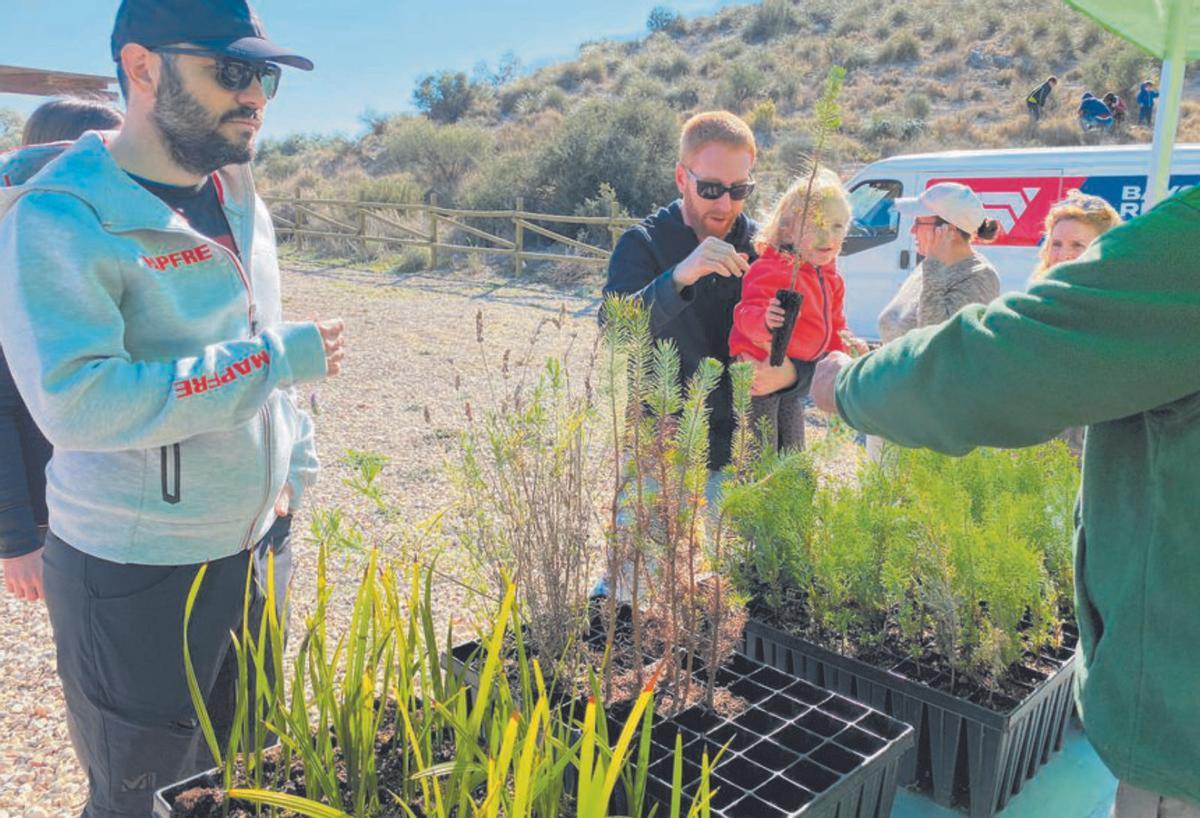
[686, 262]
[142, 323]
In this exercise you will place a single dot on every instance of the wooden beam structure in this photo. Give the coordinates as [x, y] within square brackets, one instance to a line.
[41, 83]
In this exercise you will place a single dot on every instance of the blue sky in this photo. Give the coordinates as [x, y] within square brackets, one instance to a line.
[369, 53]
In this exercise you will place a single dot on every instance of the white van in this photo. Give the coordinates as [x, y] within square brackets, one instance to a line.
[1017, 187]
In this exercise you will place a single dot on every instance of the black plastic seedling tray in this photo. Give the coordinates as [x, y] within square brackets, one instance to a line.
[796, 750]
[164, 799]
[968, 756]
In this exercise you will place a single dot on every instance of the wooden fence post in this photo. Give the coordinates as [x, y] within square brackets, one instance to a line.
[362, 231]
[519, 238]
[433, 232]
[299, 220]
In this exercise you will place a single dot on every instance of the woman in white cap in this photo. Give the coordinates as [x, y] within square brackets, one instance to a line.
[947, 217]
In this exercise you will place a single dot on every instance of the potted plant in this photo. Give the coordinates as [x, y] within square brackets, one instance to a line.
[935, 589]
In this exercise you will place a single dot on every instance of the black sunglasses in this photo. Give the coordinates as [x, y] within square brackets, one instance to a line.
[708, 189]
[234, 74]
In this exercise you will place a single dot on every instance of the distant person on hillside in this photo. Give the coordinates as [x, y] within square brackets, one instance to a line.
[1117, 106]
[1038, 98]
[807, 251]
[685, 264]
[1093, 113]
[1145, 100]
[24, 450]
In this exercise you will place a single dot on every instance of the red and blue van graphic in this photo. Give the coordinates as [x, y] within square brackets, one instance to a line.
[1022, 203]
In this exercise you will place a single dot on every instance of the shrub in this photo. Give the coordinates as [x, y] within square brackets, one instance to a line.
[762, 120]
[900, 47]
[11, 125]
[684, 97]
[411, 259]
[394, 188]
[771, 19]
[740, 83]
[666, 20]
[669, 65]
[440, 156]
[917, 106]
[622, 142]
[1118, 66]
[446, 96]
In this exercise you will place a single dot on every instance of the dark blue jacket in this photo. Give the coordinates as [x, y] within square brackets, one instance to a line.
[699, 318]
[1095, 107]
[24, 453]
[24, 450]
[1146, 97]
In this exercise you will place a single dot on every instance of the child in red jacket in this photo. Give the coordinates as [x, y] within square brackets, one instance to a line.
[821, 323]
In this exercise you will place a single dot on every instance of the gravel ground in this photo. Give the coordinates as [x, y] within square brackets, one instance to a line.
[411, 348]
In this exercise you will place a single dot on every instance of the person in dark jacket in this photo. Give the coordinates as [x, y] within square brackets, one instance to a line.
[1093, 113]
[24, 450]
[1145, 100]
[686, 261]
[1038, 97]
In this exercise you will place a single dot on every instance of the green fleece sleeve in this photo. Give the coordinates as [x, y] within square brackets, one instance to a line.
[1115, 333]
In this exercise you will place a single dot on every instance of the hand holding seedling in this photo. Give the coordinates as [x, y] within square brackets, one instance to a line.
[712, 256]
[774, 316]
[333, 335]
[824, 382]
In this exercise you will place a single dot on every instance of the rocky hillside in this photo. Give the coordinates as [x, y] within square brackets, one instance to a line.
[571, 137]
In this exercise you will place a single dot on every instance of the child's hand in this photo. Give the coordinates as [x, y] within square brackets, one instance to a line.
[774, 317]
[857, 346]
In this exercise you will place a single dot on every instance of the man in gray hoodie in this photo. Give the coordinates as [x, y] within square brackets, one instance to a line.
[142, 324]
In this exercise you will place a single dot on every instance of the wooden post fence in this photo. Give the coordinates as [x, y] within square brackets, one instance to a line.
[439, 229]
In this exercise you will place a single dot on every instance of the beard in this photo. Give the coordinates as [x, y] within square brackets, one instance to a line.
[694, 218]
[191, 133]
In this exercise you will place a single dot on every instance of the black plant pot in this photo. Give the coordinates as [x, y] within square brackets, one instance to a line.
[781, 335]
[968, 756]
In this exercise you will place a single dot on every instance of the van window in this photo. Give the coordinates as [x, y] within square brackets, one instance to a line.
[874, 219]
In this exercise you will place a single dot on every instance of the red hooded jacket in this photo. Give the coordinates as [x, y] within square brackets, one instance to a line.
[822, 313]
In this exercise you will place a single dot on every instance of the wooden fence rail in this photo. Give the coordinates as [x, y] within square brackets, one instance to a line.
[364, 224]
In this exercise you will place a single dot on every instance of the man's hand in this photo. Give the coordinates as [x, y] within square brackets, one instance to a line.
[774, 317]
[770, 379]
[333, 334]
[23, 576]
[712, 256]
[824, 382]
[283, 503]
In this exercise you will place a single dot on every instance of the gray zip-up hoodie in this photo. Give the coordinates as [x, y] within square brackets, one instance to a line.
[154, 360]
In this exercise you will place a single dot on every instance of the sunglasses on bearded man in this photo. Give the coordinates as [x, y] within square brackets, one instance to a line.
[708, 189]
[234, 74]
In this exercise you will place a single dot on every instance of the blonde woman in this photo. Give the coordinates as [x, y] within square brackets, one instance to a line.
[1071, 226]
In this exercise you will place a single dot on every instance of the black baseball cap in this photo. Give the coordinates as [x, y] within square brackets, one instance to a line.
[227, 28]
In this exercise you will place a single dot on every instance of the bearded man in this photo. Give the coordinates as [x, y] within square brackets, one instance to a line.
[141, 321]
[686, 261]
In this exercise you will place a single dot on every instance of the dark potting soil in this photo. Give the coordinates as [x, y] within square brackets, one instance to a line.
[889, 651]
[208, 802]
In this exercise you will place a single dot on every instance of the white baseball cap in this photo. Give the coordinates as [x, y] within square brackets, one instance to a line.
[951, 202]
